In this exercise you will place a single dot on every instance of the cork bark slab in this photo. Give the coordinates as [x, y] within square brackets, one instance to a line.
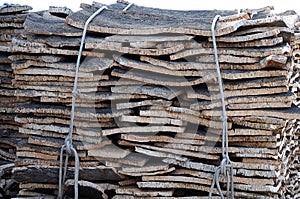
[15, 9]
[51, 174]
[278, 98]
[249, 37]
[156, 91]
[150, 129]
[191, 65]
[143, 193]
[39, 58]
[148, 104]
[163, 139]
[57, 41]
[154, 78]
[60, 11]
[250, 52]
[165, 152]
[138, 51]
[19, 18]
[153, 22]
[280, 113]
[267, 42]
[39, 48]
[49, 25]
[154, 38]
[151, 120]
[152, 68]
[256, 43]
[127, 105]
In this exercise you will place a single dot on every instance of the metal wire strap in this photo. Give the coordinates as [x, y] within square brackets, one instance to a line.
[68, 146]
[225, 168]
[127, 7]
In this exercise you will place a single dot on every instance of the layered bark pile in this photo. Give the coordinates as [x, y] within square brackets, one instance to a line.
[147, 117]
[11, 26]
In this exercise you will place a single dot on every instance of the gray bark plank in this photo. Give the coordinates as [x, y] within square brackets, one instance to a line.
[108, 152]
[256, 43]
[153, 23]
[39, 58]
[153, 68]
[144, 193]
[228, 59]
[80, 138]
[39, 48]
[261, 52]
[49, 78]
[217, 150]
[132, 159]
[64, 111]
[283, 104]
[239, 100]
[233, 75]
[49, 25]
[156, 138]
[150, 120]
[51, 71]
[253, 83]
[57, 83]
[287, 114]
[191, 65]
[53, 88]
[154, 91]
[151, 78]
[55, 40]
[15, 18]
[183, 179]
[277, 20]
[137, 174]
[59, 41]
[249, 37]
[258, 125]
[143, 148]
[138, 51]
[60, 10]
[184, 117]
[147, 129]
[33, 174]
[174, 185]
[127, 105]
[80, 123]
[249, 132]
[267, 42]
[228, 15]
[206, 95]
[151, 166]
[138, 38]
[260, 30]
[15, 9]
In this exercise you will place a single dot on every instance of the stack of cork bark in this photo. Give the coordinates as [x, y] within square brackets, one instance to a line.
[147, 117]
[295, 88]
[11, 26]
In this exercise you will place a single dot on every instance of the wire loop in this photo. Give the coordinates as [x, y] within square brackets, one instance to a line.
[225, 167]
[68, 145]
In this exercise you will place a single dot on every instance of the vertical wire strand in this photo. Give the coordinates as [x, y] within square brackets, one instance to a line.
[68, 147]
[225, 168]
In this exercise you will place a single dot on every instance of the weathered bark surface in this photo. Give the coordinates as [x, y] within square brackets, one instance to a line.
[147, 115]
[49, 25]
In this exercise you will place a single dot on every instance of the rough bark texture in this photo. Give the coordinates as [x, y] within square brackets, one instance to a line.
[147, 119]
